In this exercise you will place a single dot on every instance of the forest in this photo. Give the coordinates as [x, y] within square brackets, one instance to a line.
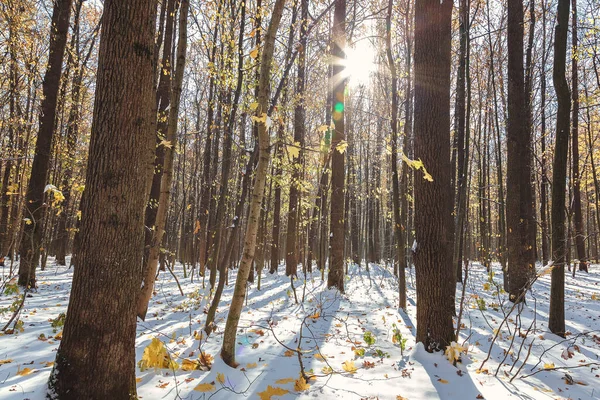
[280, 199]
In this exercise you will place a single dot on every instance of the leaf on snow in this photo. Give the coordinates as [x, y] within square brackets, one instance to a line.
[272, 391]
[301, 384]
[204, 387]
[349, 366]
[24, 371]
[283, 381]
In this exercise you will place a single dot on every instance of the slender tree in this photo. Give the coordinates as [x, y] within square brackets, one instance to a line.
[34, 210]
[556, 318]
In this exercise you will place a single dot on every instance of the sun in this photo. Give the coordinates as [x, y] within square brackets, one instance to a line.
[359, 63]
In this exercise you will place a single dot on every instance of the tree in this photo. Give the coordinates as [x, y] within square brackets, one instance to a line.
[262, 120]
[556, 318]
[34, 210]
[519, 207]
[96, 358]
[335, 278]
[433, 206]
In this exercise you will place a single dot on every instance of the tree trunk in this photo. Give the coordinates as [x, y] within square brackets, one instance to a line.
[239, 294]
[335, 277]
[556, 318]
[107, 279]
[35, 208]
[433, 203]
[164, 198]
[577, 215]
[519, 210]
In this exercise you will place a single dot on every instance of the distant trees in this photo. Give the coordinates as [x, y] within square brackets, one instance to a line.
[433, 206]
[96, 357]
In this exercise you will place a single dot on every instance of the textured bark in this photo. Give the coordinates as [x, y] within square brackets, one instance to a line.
[433, 204]
[96, 358]
[164, 198]
[335, 277]
[556, 318]
[543, 171]
[35, 208]
[239, 293]
[519, 209]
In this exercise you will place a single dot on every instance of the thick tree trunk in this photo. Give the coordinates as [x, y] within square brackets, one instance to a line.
[35, 208]
[556, 318]
[107, 279]
[433, 203]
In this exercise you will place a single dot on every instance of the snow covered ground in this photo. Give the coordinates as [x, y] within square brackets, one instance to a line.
[331, 331]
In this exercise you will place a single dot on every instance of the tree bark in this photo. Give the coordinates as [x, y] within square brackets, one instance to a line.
[433, 203]
[556, 318]
[239, 294]
[35, 208]
[335, 277]
[96, 358]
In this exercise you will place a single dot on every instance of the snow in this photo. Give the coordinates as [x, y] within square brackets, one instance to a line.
[333, 324]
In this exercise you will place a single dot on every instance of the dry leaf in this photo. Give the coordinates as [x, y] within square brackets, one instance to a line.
[301, 385]
[548, 365]
[283, 381]
[205, 387]
[349, 366]
[138, 380]
[251, 365]
[289, 353]
[7, 361]
[272, 391]
[24, 371]
[220, 378]
[442, 381]
[156, 356]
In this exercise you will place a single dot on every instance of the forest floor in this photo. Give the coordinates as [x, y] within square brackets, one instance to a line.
[331, 332]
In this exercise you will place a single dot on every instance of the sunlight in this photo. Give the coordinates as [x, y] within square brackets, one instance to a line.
[359, 63]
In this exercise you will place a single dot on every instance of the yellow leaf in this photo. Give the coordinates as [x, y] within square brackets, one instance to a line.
[138, 380]
[349, 366]
[319, 357]
[327, 370]
[189, 365]
[548, 365]
[205, 387]
[323, 128]
[220, 378]
[342, 146]
[283, 381]
[58, 336]
[272, 391]
[301, 384]
[206, 359]
[293, 150]
[442, 381]
[417, 164]
[289, 353]
[48, 363]
[156, 356]
[254, 53]
[24, 371]
[486, 286]
[7, 361]
[253, 106]
[166, 143]
[251, 365]
[453, 352]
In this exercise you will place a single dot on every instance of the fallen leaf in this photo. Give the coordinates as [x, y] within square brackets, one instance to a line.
[204, 387]
[7, 361]
[442, 381]
[220, 378]
[301, 385]
[138, 380]
[251, 365]
[24, 371]
[289, 353]
[272, 391]
[349, 366]
[283, 381]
